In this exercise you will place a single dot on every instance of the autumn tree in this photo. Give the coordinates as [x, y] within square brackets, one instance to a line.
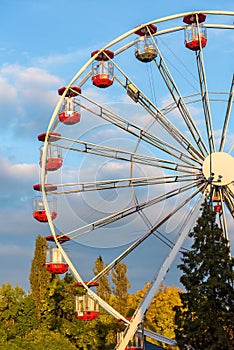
[105, 324]
[160, 317]
[205, 319]
[104, 289]
[122, 285]
[39, 276]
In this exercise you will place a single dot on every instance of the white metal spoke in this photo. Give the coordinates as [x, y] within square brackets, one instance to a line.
[159, 337]
[130, 210]
[179, 101]
[222, 216]
[231, 148]
[138, 96]
[230, 189]
[147, 234]
[204, 94]
[109, 152]
[205, 101]
[140, 312]
[140, 133]
[227, 116]
[228, 199]
[121, 183]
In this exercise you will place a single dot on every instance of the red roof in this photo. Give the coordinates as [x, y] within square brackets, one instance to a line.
[192, 18]
[102, 56]
[145, 30]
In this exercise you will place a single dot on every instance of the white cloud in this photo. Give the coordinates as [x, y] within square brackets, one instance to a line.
[228, 140]
[28, 76]
[28, 96]
[17, 171]
[194, 110]
[8, 92]
[63, 58]
[16, 185]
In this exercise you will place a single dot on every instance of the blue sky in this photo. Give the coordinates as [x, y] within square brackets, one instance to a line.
[43, 44]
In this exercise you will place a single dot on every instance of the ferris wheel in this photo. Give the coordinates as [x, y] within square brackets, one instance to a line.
[139, 137]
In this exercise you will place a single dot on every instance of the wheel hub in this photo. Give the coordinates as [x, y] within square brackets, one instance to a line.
[218, 168]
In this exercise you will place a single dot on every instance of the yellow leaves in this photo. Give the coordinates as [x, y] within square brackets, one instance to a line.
[160, 315]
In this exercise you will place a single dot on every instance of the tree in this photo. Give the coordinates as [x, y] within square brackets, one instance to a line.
[27, 318]
[39, 276]
[39, 340]
[104, 289]
[17, 313]
[10, 300]
[160, 317]
[205, 319]
[122, 285]
[105, 326]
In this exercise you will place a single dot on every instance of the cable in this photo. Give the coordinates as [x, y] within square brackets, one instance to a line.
[178, 71]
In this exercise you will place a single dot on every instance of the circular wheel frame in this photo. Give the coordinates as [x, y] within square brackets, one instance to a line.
[146, 152]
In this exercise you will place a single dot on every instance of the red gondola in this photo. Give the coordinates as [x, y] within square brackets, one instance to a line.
[69, 113]
[54, 261]
[40, 215]
[54, 160]
[102, 70]
[57, 269]
[192, 42]
[86, 308]
[54, 163]
[39, 212]
[195, 35]
[68, 117]
[217, 208]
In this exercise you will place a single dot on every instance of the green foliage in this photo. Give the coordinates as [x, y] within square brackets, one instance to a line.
[10, 300]
[17, 313]
[59, 304]
[39, 277]
[205, 319]
[26, 318]
[50, 323]
[39, 340]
